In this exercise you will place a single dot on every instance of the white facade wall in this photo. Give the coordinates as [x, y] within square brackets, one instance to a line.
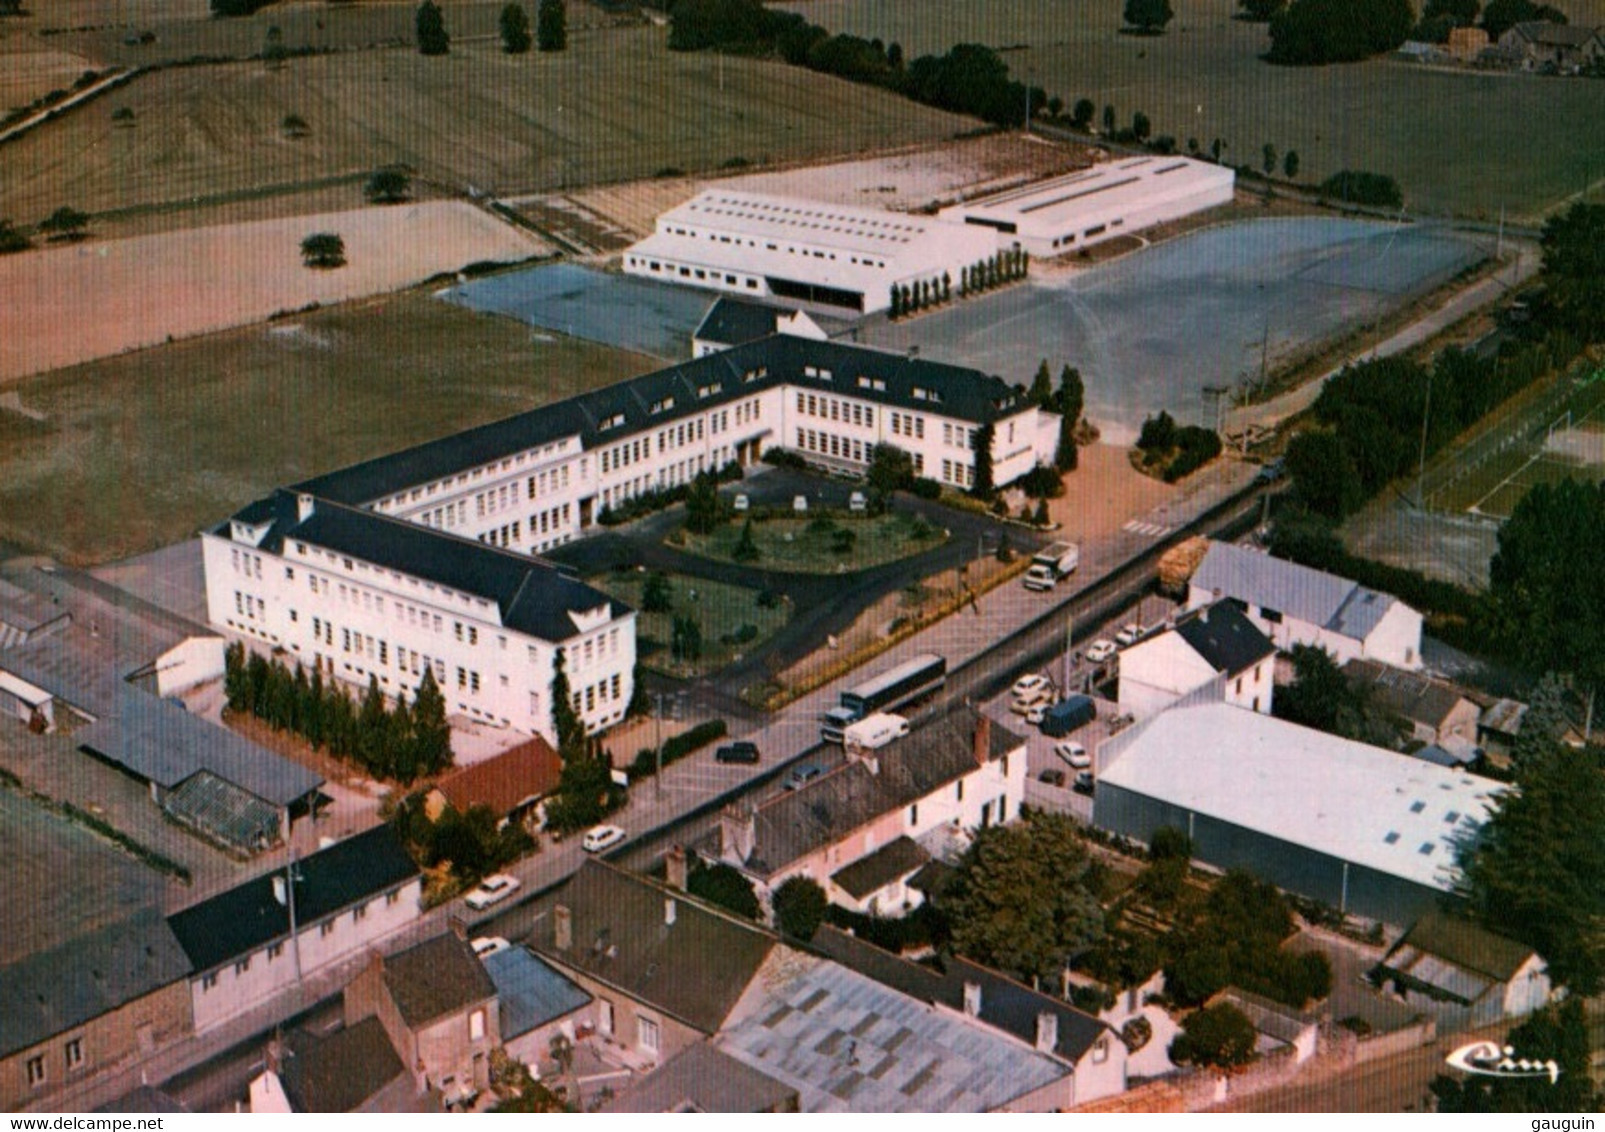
[190, 662]
[993, 792]
[1396, 639]
[1529, 988]
[355, 619]
[227, 991]
[1157, 673]
[1253, 688]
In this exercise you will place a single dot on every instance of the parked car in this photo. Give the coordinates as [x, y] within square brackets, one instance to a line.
[1037, 697]
[1130, 633]
[741, 751]
[1052, 777]
[602, 837]
[1064, 717]
[1271, 472]
[489, 945]
[1083, 784]
[1100, 651]
[1029, 683]
[492, 890]
[1036, 712]
[801, 776]
[1073, 753]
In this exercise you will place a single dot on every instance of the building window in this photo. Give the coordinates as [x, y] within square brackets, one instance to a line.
[961, 790]
[75, 1053]
[274, 951]
[392, 899]
[359, 913]
[242, 966]
[476, 1025]
[326, 929]
[914, 815]
[36, 1071]
[208, 981]
[604, 1016]
[1100, 1051]
[648, 1034]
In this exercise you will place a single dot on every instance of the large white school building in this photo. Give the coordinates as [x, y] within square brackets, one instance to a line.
[1075, 211]
[427, 556]
[831, 255]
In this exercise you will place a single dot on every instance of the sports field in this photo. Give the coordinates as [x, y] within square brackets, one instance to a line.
[617, 105]
[1467, 142]
[1568, 445]
[115, 458]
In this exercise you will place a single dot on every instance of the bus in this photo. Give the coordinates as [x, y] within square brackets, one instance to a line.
[912, 680]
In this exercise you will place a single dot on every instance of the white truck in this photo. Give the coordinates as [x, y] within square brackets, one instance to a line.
[875, 731]
[1054, 561]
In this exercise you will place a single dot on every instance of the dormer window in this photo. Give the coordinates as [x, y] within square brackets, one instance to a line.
[663, 405]
[611, 422]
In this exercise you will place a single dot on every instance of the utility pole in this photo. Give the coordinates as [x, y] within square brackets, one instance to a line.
[1421, 465]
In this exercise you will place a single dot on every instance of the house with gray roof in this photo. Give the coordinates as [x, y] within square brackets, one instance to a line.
[1297, 605]
[862, 830]
[98, 1000]
[1545, 43]
[353, 1069]
[536, 1001]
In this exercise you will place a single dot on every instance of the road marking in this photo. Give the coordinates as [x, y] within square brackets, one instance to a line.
[1154, 530]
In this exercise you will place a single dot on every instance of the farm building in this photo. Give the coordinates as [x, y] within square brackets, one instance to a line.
[1464, 974]
[1365, 830]
[1077, 210]
[836, 256]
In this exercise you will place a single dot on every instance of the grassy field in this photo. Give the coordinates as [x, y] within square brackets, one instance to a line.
[723, 612]
[135, 452]
[1465, 142]
[811, 546]
[616, 106]
[1494, 487]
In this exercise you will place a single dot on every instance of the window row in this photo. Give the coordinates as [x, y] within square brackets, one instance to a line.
[829, 444]
[834, 409]
[907, 424]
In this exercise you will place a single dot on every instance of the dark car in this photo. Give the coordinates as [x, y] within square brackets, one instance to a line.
[803, 775]
[738, 752]
[1052, 777]
[1083, 782]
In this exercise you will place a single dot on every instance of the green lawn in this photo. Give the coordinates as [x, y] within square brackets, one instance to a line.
[820, 545]
[142, 450]
[731, 620]
[1467, 142]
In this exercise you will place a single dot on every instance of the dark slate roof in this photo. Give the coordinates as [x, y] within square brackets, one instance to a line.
[1226, 639]
[52, 991]
[247, 917]
[701, 1079]
[145, 1098]
[734, 322]
[530, 992]
[694, 969]
[1551, 34]
[1439, 756]
[339, 1072]
[436, 978]
[1005, 1004]
[1465, 945]
[892, 861]
[934, 754]
[1418, 698]
[533, 597]
[955, 391]
[164, 744]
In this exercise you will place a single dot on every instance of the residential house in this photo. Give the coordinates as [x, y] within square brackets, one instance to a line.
[701, 1079]
[735, 322]
[510, 783]
[1214, 643]
[354, 1069]
[1543, 43]
[663, 969]
[862, 830]
[1092, 1052]
[535, 1002]
[1297, 605]
[1499, 725]
[1464, 974]
[440, 1009]
[1436, 711]
[265, 935]
[105, 1000]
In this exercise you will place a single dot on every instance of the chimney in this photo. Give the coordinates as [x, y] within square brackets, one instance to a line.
[303, 508]
[972, 999]
[737, 834]
[669, 909]
[562, 927]
[983, 740]
[675, 861]
[1047, 1031]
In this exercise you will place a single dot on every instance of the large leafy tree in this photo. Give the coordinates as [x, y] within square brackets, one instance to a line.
[890, 469]
[1221, 1036]
[725, 886]
[1324, 477]
[1546, 583]
[1574, 268]
[1534, 869]
[799, 907]
[323, 249]
[1322, 697]
[431, 29]
[1338, 31]
[1149, 16]
[1559, 1034]
[1237, 940]
[1021, 900]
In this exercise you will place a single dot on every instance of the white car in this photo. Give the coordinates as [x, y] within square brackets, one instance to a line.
[492, 890]
[1073, 753]
[1032, 701]
[1101, 651]
[602, 837]
[1036, 713]
[489, 945]
[1130, 633]
[1025, 685]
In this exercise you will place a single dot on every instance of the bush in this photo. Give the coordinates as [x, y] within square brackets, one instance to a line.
[1170, 843]
[1041, 482]
[925, 488]
[1158, 433]
[783, 458]
[1196, 447]
[723, 885]
[677, 747]
[1220, 1036]
[800, 907]
[1354, 186]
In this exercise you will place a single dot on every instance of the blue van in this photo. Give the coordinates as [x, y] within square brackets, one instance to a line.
[1067, 715]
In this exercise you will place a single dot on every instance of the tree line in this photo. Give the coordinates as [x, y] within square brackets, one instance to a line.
[402, 743]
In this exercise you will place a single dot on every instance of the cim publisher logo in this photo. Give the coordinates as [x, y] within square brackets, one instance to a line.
[1489, 1059]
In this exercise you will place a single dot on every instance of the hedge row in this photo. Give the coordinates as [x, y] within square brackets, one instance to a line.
[677, 747]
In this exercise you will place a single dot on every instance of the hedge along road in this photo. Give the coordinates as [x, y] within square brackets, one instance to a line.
[1153, 329]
